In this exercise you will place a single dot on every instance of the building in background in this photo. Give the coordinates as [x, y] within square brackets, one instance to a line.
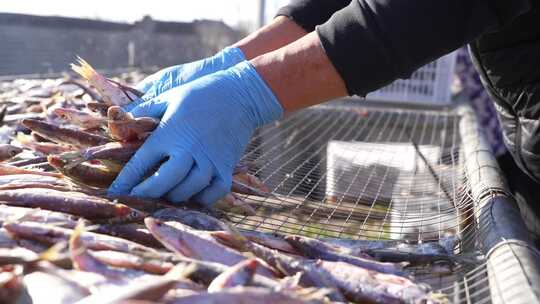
[41, 44]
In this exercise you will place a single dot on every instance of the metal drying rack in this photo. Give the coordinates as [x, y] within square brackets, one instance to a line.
[360, 170]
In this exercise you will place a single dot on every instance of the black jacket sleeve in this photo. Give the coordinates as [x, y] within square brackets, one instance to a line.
[310, 13]
[373, 42]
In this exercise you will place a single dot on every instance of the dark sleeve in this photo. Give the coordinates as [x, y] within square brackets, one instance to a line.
[373, 42]
[310, 13]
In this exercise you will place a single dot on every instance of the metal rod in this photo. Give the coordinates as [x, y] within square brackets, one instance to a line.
[513, 263]
[432, 172]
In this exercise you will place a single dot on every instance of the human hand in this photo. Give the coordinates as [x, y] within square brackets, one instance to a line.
[205, 126]
[174, 76]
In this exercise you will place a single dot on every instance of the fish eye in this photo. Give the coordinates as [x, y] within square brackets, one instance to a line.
[13, 152]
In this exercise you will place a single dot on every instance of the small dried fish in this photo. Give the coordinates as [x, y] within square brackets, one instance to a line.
[362, 285]
[50, 235]
[315, 249]
[74, 203]
[398, 251]
[91, 175]
[10, 213]
[8, 151]
[80, 118]
[122, 126]
[77, 138]
[83, 260]
[192, 218]
[184, 240]
[234, 204]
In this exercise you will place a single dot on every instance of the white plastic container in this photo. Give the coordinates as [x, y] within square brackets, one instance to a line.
[431, 84]
[369, 171]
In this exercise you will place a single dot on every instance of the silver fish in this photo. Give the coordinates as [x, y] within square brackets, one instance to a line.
[50, 235]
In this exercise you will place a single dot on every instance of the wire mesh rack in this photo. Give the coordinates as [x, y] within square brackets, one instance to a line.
[356, 171]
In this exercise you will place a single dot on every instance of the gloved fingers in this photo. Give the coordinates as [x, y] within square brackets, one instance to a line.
[171, 172]
[153, 108]
[198, 179]
[211, 194]
[160, 81]
[130, 106]
[145, 159]
[148, 82]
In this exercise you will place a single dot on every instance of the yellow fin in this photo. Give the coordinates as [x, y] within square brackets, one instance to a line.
[84, 69]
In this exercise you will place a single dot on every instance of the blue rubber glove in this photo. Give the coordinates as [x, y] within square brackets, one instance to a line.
[174, 76]
[205, 126]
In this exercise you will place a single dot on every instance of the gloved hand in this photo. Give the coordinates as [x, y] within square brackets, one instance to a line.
[174, 76]
[204, 129]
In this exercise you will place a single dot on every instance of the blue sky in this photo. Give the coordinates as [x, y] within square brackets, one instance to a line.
[232, 12]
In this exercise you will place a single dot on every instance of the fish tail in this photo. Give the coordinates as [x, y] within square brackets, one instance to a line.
[75, 238]
[181, 271]
[84, 69]
[53, 253]
[238, 237]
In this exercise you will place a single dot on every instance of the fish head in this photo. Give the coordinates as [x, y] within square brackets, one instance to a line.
[168, 235]
[250, 266]
[129, 214]
[98, 107]
[13, 150]
[63, 113]
[117, 114]
[56, 161]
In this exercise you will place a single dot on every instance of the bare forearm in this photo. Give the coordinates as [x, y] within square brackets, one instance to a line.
[280, 32]
[300, 74]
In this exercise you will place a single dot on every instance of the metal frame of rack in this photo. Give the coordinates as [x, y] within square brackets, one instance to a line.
[351, 169]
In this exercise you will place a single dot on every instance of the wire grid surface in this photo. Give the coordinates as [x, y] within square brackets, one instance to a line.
[348, 171]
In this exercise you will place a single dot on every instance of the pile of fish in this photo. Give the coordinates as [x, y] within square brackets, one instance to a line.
[64, 240]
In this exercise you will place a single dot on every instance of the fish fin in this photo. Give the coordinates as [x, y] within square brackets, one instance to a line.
[54, 252]
[238, 238]
[181, 271]
[75, 242]
[84, 69]
[312, 293]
